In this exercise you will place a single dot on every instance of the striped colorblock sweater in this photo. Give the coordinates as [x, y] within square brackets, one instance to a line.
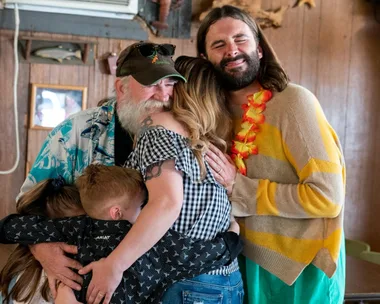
[292, 198]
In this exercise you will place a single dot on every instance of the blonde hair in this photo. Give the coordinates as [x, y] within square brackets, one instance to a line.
[200, 105]
[99, 184]
[50, 198]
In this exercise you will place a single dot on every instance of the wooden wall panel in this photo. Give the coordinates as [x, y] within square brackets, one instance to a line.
[362, 148]
[101, 84]
[311, 43]
[333, 62]
[287, 40]
[10, 183]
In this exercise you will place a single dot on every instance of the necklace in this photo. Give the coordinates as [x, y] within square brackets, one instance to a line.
[243, 144]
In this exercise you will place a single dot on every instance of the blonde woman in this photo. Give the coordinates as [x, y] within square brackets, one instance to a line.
[169, 152]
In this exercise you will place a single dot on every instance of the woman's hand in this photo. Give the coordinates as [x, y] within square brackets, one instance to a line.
[222, 167]
[106, 277]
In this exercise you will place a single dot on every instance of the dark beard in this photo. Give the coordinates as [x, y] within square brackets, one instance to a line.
[235, 79]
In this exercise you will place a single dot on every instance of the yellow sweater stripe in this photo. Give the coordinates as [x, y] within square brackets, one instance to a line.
[268, 140]
[321, 205]
[318, 165]
[265, 195]
[299, 250]
[315, 204]
[332, 243]
[312, 201]
[328, 135]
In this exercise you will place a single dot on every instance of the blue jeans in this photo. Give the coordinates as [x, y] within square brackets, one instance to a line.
[207, 289]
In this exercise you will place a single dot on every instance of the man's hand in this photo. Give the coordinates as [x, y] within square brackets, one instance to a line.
[105, 279]
[57, 265]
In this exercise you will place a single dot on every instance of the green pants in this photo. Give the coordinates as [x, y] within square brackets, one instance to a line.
[311, 287]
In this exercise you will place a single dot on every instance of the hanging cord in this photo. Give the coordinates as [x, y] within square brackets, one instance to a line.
[15, 43]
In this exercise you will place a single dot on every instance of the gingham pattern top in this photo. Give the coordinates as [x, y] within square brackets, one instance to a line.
[206, 208]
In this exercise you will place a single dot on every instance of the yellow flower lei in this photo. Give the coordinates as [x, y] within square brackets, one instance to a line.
[243, 144]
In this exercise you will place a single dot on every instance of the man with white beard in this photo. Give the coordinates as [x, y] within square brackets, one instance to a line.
[144, 84]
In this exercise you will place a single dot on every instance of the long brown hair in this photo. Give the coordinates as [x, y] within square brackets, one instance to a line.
[272, 75]
[200, 105]
[50, 198]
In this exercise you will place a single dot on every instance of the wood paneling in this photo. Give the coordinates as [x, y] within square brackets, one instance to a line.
[333, 62]
[362, 138]
[287, 41]
[333, 50]
[10, 184]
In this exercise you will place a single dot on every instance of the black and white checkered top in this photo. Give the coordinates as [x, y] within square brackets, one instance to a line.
[206, 208]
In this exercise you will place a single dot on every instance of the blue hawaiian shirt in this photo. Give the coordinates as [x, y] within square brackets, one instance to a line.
[84, 138]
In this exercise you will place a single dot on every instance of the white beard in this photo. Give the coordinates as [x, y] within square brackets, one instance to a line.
[131, 114]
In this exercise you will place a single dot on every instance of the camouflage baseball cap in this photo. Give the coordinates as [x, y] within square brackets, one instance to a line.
[147, 62]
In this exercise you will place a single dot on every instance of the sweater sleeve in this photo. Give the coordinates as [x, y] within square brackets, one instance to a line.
[313, 151]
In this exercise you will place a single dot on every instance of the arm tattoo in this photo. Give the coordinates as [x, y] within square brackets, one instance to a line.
[146, 124]
[154, 170]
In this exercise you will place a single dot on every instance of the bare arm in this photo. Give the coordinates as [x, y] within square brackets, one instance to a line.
[165, 201]
[165, 191]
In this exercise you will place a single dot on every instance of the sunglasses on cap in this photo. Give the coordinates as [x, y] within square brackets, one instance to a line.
[151, 49]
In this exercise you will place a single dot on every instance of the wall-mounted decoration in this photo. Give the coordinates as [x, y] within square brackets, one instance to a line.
[51, 104]
[266, 18]
[165, 18]
[112, 59]
[58, 51]
[311, 3]
[163, 13]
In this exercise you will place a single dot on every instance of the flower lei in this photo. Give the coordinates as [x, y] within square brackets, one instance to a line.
[243, 144]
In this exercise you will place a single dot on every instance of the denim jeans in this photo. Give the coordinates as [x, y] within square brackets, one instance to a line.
[207, 289]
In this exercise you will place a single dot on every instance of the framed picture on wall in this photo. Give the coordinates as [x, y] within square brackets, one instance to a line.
[52, 104]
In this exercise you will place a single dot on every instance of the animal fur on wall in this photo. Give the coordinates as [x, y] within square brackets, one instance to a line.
[265, 18]
[253, 7]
